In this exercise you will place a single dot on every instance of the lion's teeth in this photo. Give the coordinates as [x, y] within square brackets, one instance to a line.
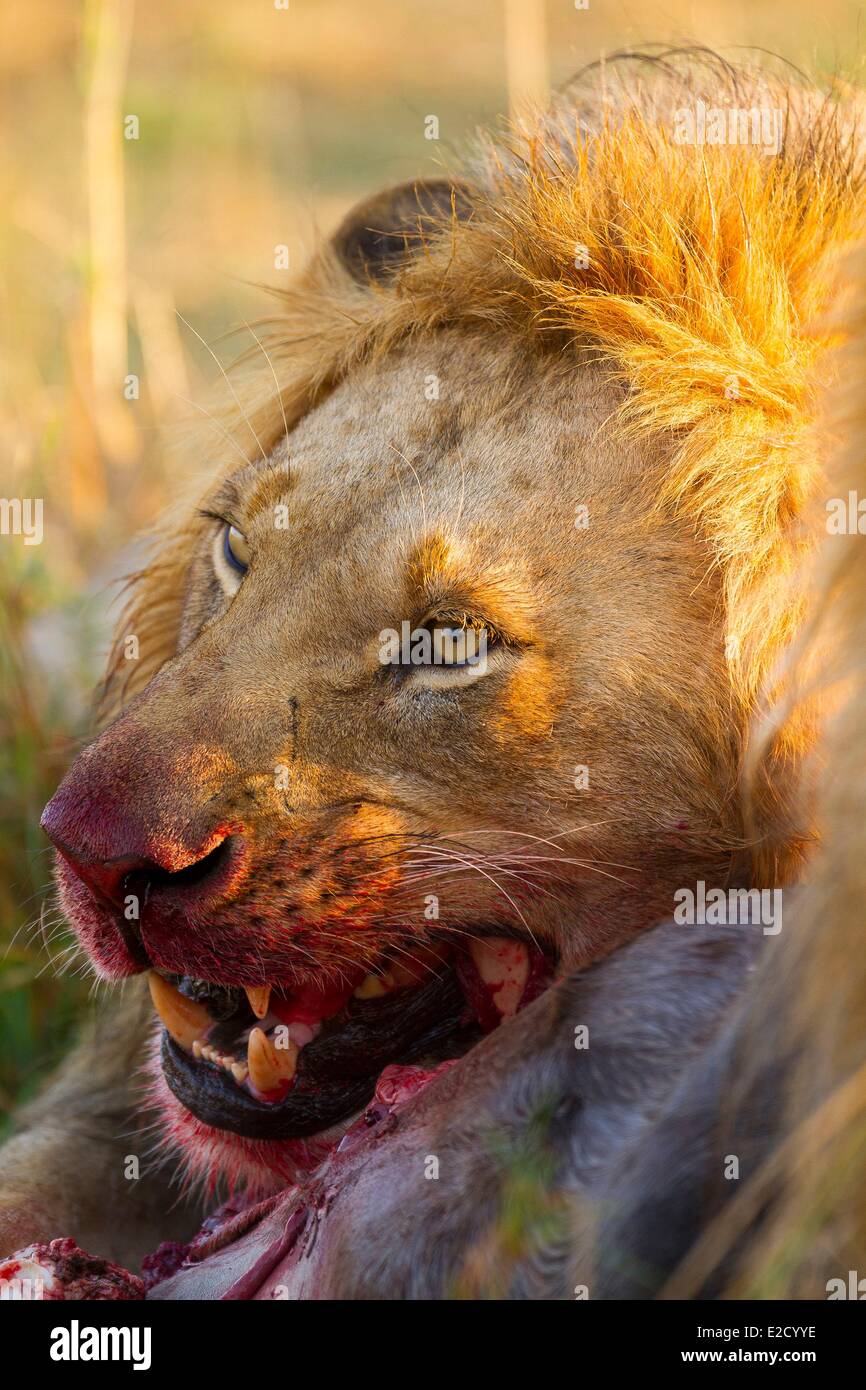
[504, 967]
[259, 997]
[374, 986]
[221, 1059]
[185, 1020]
[269, 1067]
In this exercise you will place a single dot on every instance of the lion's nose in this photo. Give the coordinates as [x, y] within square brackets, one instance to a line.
[188, 874]
[114, 854]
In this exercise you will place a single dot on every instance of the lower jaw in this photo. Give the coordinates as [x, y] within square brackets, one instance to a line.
[215, 1163]
[221, 1125]
[315, 1103]
[210, 1101]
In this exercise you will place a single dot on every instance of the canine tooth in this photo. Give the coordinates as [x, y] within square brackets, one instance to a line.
[504, 967]
[259, 997]
[374, 986]
[269, 1067]
[184, 1019]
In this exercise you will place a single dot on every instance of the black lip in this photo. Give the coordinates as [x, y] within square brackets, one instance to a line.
[217, 1101]
[337, 1071]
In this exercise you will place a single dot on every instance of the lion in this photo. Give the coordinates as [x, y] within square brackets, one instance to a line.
[444, 691]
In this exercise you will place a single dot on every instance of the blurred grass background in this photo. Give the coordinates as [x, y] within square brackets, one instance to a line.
[258, 124]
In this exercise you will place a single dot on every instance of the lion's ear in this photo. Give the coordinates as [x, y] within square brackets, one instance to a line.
[378, 235]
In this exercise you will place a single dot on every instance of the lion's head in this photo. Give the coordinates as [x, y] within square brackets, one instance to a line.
[450, 667]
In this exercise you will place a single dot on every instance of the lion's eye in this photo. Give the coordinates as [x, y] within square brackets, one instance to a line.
[444, 653]
[458, 646]
[235, 549]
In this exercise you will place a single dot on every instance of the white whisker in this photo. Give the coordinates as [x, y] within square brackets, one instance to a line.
[228, 382]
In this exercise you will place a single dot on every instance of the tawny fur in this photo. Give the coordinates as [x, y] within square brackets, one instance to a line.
[817, 1231]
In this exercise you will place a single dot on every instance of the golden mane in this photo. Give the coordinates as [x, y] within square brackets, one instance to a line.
[698, 273]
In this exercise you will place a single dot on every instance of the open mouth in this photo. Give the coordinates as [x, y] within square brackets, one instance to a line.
[275, 1062]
